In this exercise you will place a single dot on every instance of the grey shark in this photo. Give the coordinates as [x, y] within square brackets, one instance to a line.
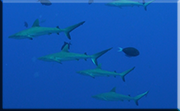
[126, 3]
[113, 96]
[99, 72]
[36, 31]
[65, 55]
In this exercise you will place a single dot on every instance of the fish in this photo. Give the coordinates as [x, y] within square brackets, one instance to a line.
[98, 71]
[128, 3]
[90, 2]
[45, 2]
[65, 55]
[37, 30]
[129, 51]
[113, 96]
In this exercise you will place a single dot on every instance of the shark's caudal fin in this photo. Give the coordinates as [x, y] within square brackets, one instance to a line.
[125, 73]
[97, 55]
[136, 98]
[70, 28]
[146, 4]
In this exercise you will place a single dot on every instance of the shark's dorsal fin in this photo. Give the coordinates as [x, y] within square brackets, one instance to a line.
[99, 66]
[113, 89]
[58, 27]
[36, 23]
[65, 47]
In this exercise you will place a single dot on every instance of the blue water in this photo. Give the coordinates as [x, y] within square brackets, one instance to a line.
[31, 83]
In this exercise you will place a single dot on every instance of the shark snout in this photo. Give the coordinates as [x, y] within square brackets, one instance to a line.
[11, 36]
[94, 96]
[40, 58]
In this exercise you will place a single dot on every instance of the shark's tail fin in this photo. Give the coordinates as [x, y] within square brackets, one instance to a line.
[125, 73]
[146, 4]
[136, 98]
[97, 55]
[70, 28]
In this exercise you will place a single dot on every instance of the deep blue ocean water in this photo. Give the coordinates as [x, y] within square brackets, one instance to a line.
[31, 83]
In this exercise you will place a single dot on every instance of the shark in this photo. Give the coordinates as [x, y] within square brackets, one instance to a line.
[126, 3]
[45, 2]
[65, 55]
[36, 30]
[113, 96]
[98, 71]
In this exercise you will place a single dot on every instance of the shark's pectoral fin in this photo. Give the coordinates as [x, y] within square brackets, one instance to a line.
[59, 62]
[92, 76]
[30, 37]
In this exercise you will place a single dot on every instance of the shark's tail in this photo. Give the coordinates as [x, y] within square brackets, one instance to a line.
[125, 73]
[70, 28]
[146, 4]
[136, 98]
[97, 55]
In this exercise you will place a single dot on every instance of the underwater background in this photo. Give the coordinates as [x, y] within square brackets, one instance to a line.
[31, 83]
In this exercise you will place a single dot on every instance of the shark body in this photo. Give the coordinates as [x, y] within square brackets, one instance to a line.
[100, 72]
[113, 96]
[65, 55]
[36, 31]
[45, 2]
[128, 3]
